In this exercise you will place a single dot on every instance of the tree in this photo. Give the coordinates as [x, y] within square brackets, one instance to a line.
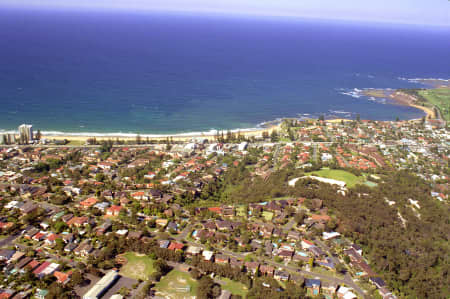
[59, 226]
[56, 291]
[77, 278]
[196, 274]
[106, 146]
[161, 266]
[274, 136]
[311, 262]
[340, 268]
[59, 244]
[38, 135]
[42, 167]
[100, 177]
[124, 291]
[156, 276]
[294, 290]
[346, 259]
[291, 134]
[145, 291]
[205, 288]
[299, 217]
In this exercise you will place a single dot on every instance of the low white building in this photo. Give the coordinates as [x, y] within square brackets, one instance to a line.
[102, 285]
[207, 255]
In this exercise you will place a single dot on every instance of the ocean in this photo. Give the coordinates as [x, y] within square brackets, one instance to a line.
[163, 73]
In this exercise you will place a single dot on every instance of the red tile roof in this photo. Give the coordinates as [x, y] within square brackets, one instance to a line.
[176, 246]
[88, 202]
[61, 276]
[41, 268]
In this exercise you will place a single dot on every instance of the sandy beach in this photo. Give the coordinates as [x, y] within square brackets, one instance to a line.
[161, 138]
[409, 100]
[400, 98]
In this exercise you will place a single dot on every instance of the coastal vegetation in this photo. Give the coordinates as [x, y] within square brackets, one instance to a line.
[438, 99]
[412, 257]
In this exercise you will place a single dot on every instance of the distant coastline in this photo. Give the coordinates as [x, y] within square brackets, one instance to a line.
[397, 97]
[229, 79]
[402, 98]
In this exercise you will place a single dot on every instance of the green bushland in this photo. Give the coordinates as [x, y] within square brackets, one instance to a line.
[412, 258]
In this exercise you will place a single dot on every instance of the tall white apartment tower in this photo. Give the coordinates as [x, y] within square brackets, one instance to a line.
[25, 133]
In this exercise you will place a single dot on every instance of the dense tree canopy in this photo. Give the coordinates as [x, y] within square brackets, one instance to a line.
[410, 254]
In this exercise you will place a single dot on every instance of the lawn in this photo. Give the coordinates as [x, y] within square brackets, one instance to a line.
[137, 266]
[177, 285]
[267, 215]
[371, 184]
[439, 97]
[240, 211]
[340, 175]
[236, 288]
[76, 142]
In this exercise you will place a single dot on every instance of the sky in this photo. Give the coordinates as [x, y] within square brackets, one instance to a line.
[420, 12]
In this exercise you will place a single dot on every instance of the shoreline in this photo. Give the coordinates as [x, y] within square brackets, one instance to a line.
[270, 126]
[399, 98]
[257, 133]
[183, 137]
[82, 137]
[402, 98]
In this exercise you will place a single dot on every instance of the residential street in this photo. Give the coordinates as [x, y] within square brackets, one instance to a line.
[8, 241]
[292, 270]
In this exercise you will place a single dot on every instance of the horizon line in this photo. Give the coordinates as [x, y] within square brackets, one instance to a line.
[211, 12]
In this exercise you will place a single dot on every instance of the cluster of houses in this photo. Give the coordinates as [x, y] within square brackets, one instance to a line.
[16, 262]
[79, 194]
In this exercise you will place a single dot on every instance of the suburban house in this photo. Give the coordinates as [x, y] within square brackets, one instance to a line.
[312, 286]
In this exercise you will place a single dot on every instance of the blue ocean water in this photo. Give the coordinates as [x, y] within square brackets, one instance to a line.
[169, 73]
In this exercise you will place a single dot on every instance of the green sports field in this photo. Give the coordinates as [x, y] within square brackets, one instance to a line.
[177, 285]
[340, 175]
[137, 266]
